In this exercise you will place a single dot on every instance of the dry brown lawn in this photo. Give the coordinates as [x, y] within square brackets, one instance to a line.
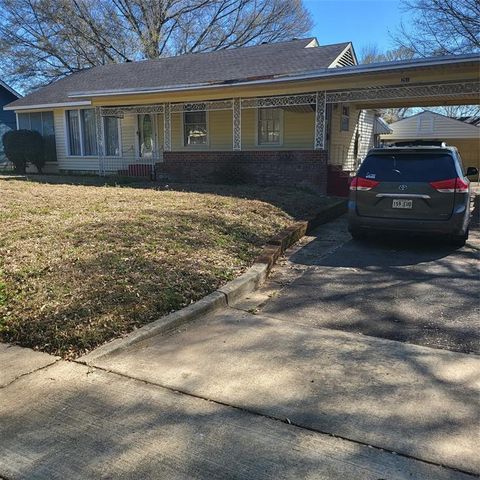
[82, 264]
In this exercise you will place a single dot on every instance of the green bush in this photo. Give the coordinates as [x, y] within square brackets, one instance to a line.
[24, 147]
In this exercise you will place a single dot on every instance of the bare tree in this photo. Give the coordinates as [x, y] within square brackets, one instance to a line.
[440, 27]
[373, 54]
[42, 40]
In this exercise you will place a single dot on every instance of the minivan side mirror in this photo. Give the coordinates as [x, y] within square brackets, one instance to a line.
[472, 171]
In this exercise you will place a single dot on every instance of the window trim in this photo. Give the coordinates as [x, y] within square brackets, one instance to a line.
[207, 123]
[281, 136]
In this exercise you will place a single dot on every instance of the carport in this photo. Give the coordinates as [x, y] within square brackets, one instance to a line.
[364, 89]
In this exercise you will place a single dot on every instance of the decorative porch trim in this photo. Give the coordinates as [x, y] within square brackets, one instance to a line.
[167, 128]
[202, 106]
[403, 91]
[279, 101]
[237, 124]
[137, 109]
[320, 113]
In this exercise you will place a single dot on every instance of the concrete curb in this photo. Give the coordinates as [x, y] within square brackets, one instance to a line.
[230, 293]
[208, 304]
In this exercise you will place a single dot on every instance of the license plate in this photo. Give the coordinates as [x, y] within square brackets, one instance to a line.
[397, 203]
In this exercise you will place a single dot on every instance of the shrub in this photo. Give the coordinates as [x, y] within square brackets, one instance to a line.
[23, 147]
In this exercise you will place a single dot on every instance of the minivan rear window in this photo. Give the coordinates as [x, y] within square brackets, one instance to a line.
[408, 167]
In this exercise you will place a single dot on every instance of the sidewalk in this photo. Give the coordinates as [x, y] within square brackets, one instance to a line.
[69, 421]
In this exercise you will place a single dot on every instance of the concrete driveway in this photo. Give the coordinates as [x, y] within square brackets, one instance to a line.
[420, 291]
[354, 362]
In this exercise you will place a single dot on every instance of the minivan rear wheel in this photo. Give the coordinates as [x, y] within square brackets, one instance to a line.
[459, 240]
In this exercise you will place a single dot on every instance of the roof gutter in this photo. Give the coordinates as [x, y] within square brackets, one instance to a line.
[318, 74]
[82, 103]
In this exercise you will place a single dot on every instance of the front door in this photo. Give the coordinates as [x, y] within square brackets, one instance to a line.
[147, 138]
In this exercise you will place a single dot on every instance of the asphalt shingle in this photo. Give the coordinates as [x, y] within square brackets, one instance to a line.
[224, 66]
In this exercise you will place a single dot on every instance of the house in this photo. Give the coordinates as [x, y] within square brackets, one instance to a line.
[281, 113]
[429, 125]
[7, 118]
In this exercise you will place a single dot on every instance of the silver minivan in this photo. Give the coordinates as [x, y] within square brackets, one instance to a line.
[411, 189]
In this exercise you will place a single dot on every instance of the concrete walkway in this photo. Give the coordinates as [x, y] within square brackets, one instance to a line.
[237, 395]
[69, 421]
[404, 398]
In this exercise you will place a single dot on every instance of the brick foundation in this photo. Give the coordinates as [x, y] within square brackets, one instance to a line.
[290, 168]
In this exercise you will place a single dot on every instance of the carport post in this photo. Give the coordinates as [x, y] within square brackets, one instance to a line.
[320, 112]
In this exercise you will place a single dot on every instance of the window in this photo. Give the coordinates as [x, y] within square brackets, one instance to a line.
[269, 126]
[89, 130]
[406, 167]
[345, 120]
[195, 128]
[112, 137]
[82, 133]
[41, 122]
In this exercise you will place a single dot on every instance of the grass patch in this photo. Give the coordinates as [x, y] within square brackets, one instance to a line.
[82, 264]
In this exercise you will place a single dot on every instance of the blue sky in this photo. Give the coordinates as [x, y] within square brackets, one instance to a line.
[363, 22]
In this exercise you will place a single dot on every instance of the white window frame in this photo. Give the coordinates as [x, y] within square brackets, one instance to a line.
[207, 123]
[257, 120]
[82, 153]
[120, 140]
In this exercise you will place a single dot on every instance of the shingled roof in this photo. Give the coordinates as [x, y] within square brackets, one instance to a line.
[223, 66]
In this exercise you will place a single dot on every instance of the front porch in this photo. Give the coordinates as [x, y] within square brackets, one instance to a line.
[275, 140]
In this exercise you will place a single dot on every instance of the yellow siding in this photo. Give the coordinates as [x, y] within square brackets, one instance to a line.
[248, 129]
[299, 130]
[221, 130]
[342, 143]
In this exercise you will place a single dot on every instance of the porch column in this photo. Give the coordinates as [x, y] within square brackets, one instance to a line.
[320, 111]
[237, 124]
[100, 146]
[167, 127]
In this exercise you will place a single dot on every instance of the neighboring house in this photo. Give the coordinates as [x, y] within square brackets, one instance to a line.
[433, 126]
[7, 118]
[278, 112]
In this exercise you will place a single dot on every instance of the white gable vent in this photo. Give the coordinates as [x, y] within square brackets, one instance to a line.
[345, 59]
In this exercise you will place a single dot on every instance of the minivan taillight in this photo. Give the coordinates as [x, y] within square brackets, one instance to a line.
[452, 185]
[362, 184]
